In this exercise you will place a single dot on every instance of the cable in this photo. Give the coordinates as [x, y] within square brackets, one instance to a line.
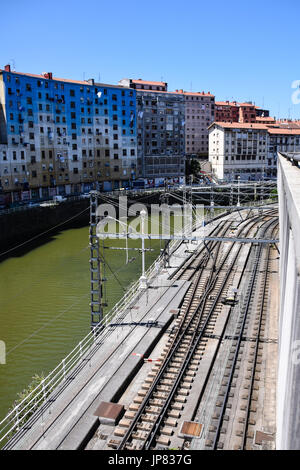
[46, 324]
[43, 233]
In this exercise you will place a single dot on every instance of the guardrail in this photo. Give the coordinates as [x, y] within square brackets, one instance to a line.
[41, 395]
[22, 412]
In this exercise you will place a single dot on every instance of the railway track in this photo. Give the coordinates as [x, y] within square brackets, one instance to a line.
[151, 419]
[232, 420]
[154, 413]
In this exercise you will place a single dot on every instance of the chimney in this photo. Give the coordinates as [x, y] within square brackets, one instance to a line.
[7, 68]
[48, 75]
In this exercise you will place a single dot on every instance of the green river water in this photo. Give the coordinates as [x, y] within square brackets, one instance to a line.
[44, 303]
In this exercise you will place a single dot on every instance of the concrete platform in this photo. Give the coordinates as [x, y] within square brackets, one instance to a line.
[67, 420]
[70, 419]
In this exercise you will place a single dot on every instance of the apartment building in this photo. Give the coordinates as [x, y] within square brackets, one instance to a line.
[247, 112]
[143, 84]
[60, 136]
[262, 112]
[249, 150]
[160, 137]
[199, 114]
[226, 111]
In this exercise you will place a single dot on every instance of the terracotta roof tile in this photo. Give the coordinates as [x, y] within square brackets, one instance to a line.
[194, 93]
[145, 82]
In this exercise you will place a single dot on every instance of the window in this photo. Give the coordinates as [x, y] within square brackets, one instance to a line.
[72, 92]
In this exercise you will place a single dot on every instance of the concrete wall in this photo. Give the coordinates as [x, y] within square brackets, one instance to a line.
[288, 387]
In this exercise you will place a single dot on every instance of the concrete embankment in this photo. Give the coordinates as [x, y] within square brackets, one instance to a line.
[20, 226]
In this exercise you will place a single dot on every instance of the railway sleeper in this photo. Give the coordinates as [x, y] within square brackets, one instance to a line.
[140, 435]
[171, 422]
[180, 398]
[172, 413]
[166, 431]
[163, 440]
[140, 396]
[125, 423]
[156, 402]
[129, 414]
[148, 417]
[144, 426]
[177, 406]
[155, 410]
[134, 407]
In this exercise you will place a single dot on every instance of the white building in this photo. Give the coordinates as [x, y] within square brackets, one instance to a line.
[249, 150]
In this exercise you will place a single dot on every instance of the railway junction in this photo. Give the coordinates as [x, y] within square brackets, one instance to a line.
[189, 363]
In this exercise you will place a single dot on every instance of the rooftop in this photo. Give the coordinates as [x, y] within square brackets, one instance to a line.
[239, 125]
[195, 93]
[275, 128]
[146, 82]
[49, 76]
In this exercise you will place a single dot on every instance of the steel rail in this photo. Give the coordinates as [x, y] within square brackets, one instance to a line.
[257, 340]
[178, 343]
[239, 340]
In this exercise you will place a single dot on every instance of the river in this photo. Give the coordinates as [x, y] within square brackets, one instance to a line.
[44, 303]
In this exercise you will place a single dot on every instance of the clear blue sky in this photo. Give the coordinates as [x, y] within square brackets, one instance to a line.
[241, 49]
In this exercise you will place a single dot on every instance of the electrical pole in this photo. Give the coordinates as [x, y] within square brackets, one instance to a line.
[231, 197]
[212, 203]
[96, 267]
[238, 201]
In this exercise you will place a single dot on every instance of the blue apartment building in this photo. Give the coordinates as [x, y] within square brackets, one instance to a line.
[60, 136]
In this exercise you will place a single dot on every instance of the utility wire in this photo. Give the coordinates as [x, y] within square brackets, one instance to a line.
[43, 233]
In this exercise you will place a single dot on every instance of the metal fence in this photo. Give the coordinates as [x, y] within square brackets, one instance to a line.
[41, 394]
[68, 367]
